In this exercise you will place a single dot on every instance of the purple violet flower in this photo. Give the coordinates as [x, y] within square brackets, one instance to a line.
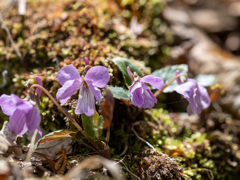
[140, 94]
[70, 79]
[196, 95]
[39, 81]
[23, 115]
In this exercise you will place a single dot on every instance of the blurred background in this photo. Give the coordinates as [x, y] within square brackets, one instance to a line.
[41, 36]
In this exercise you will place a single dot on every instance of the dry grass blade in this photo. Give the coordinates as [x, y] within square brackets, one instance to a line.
[29, 155]
[96, 162]
[143, 140]
[26, 173]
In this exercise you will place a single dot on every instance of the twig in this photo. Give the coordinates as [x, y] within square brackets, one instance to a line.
[143, 140]
[6, 8]
[126, 168]
[95, 162]
[30, 151]
[131, 173]
[68, 115]
[4, 26]
[27, 167]
[124, 150]
[158, 92]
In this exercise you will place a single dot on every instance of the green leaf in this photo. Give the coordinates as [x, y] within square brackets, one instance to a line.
[96, 124]
[88, 126]
[168, 73]
[53, 136]
[119, 92]
[206, 79]
[101, 121]
[100, 125]
[95, 119]
[122, 64]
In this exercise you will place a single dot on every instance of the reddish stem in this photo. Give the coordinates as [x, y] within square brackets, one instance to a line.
[159, 91]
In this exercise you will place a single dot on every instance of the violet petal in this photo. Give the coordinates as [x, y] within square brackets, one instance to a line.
[148, 100]
[86, 102]
[130, 73]
[149, 92]
[156, 82]
[16, 100]
[67, 73]
[7, 105]
[98, 75]
[189, 110]
[39, 131]
[135, 86]
[68, 89]
[204, 97]
[24, 106]
[95, 90]
[18, 122]
[39, 81]
[86, 61]
[186, 89]
[33, 119]
[179, 81]
[137, 97]
[195, 109]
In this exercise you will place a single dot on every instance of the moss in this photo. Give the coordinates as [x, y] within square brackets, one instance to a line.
[71, 30]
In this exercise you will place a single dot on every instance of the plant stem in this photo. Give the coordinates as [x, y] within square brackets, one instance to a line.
[108, 134]
[4, 26]
[159, 91]
[68, 115]
[30, 151]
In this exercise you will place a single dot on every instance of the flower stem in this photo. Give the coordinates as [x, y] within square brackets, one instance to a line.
[67, 114]
[108, 134]
[158, 92]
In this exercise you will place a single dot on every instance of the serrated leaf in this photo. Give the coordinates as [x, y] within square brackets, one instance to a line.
[53, 136]
[168, 73]
[119, 92]
[88, 126]
[205, 79]
[122, 64]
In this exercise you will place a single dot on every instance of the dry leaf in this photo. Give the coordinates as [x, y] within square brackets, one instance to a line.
[107, 108]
